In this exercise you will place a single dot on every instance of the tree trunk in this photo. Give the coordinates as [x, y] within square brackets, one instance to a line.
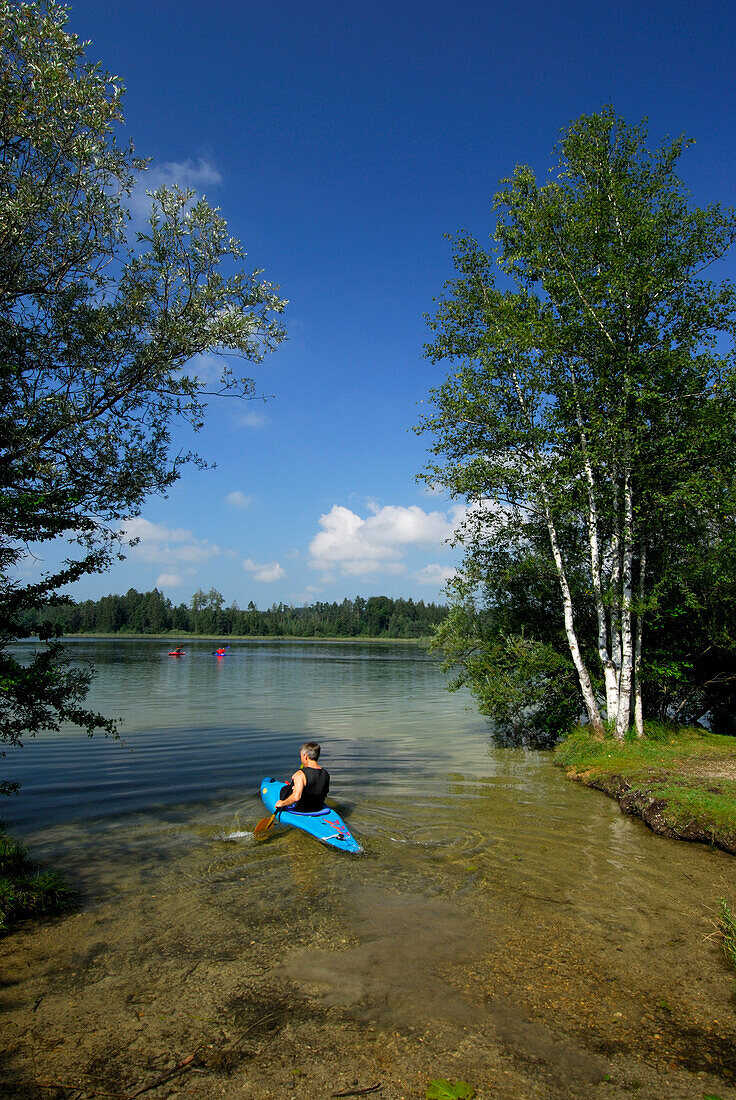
[610, 673]
[586, 686]
[615, 615]
[638, 703]
[623, 717]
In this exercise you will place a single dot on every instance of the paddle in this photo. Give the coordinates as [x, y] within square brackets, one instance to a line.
[263, 826]
[266, 822]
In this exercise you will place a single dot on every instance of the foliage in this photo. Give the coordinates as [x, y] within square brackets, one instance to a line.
[25, 891]
[524, 686]
[97, 338]
[442, 1089]
[590, 421]
[691, 653]
[153, 613]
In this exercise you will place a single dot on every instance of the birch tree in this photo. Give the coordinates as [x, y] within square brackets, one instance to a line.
[593, 396]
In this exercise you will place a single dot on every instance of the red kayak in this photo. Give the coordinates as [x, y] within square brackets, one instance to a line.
[176, 653]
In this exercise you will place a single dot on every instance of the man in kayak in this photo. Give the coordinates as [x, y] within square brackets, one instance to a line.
[309, 786]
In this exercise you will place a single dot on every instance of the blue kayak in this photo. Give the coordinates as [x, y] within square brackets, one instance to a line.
[326, 825]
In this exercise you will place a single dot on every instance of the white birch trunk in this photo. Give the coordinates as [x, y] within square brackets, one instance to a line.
[612, 699]
[586, 686]
[610, 673]
[623, 717]
[638, 704]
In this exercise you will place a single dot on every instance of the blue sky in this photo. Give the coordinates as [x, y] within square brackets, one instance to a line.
[341, 141]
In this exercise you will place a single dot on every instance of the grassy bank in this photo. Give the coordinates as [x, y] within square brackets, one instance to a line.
[25, 890]
[680, 781]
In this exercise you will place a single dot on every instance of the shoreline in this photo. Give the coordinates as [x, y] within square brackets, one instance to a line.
[682, 786]
[124, 636]
[640, 802]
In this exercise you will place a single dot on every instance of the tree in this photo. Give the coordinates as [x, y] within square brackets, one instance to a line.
[511, 652]
[96, 337]
[592, 415]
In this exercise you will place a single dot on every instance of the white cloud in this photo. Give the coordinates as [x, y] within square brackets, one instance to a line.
[187, 174]
[434, 574]
[168, 545]
[266, 573]
[302, 599]
[239, 500]
[207, 367]
[359, 547]
[169, 580]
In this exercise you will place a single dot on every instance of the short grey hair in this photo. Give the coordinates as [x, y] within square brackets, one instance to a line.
[311, 749]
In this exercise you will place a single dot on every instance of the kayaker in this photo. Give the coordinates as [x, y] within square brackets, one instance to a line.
[309, 786]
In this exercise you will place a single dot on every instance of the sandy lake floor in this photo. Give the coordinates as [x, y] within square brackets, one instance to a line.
[281, 970]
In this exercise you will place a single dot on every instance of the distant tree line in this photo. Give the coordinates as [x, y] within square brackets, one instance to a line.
[153, 613]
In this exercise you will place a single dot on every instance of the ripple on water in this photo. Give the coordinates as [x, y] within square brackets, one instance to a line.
[465, 844]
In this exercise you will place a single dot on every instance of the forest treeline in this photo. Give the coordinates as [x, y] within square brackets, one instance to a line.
[153, 613]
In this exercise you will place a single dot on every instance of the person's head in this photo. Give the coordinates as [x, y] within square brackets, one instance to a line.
[311, 750]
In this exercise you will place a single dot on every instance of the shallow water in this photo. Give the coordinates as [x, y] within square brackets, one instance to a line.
[506, 922]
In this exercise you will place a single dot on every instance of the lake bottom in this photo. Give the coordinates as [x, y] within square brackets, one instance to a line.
[510, 930]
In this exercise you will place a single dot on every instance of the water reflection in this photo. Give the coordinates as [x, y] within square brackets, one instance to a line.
[198, 728]
[494, 894]
[412, 766]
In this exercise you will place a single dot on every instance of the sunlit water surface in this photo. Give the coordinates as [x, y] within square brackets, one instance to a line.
[498, 837]
[412, 765]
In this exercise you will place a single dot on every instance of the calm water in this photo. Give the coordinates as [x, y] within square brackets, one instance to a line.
[412, 767]
[533, 898]
[200, 729]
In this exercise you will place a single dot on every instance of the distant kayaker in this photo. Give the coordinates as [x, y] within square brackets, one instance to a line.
[309, 786]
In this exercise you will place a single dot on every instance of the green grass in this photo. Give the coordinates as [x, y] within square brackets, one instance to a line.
[663, 746]
[727, 931]
[25, 890]
[691, 770]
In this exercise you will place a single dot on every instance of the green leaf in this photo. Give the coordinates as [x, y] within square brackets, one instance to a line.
[442, 1089]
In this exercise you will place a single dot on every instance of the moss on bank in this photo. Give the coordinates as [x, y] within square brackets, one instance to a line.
[680, 781]
[26, 890]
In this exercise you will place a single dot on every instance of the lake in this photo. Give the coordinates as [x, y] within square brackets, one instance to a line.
[200, 731]
[505, 925]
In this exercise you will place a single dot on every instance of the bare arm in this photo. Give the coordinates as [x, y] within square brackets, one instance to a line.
[299, 780]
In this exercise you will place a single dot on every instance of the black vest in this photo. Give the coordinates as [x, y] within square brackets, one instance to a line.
[315, 791]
